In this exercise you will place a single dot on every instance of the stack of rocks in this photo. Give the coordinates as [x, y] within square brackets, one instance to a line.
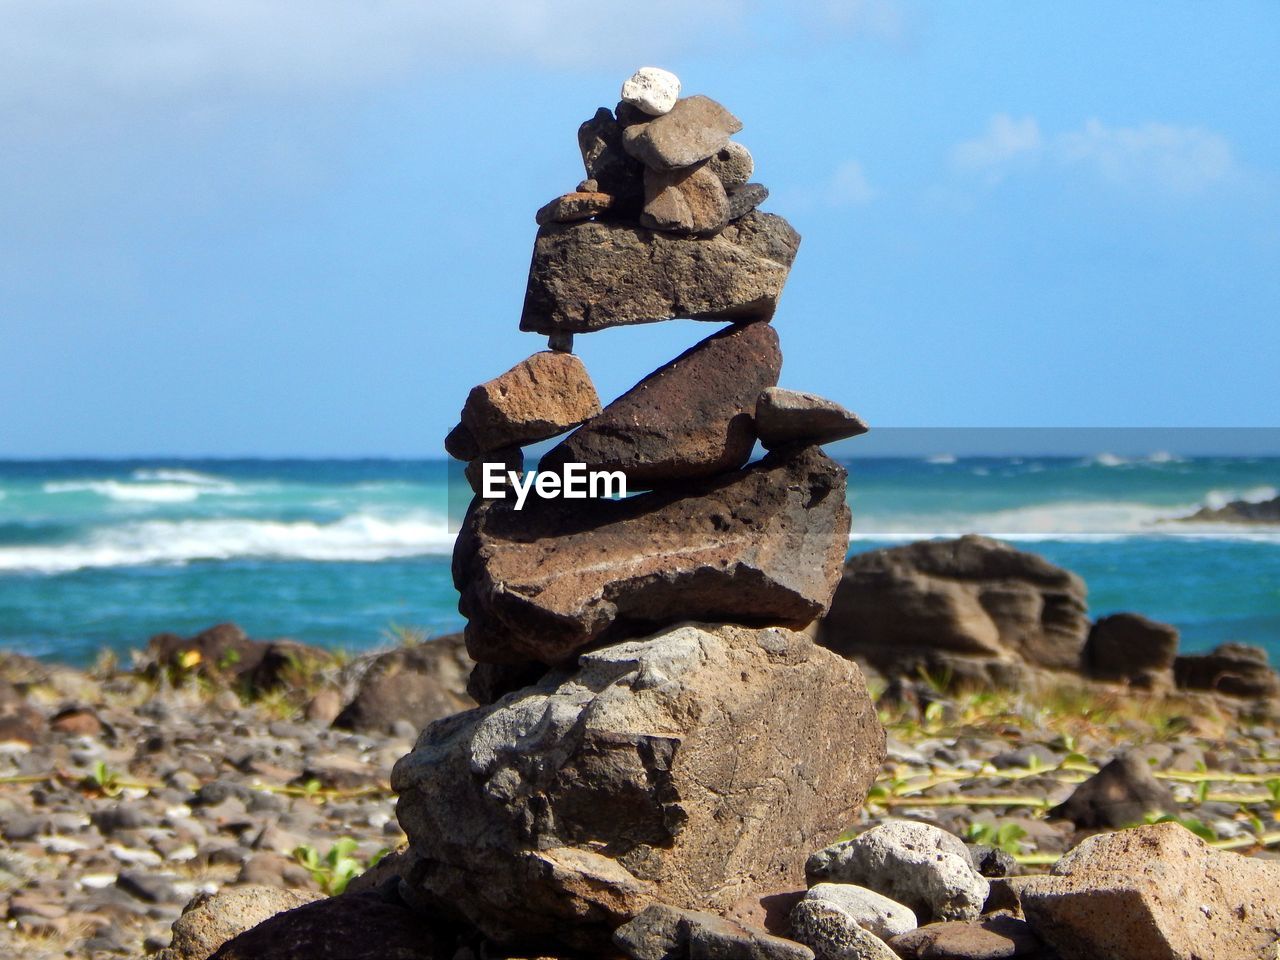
[657, 728]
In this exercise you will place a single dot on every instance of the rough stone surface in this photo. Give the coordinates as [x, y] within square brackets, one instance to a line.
[689, 418]
[661, 932]
[612, 169]
[1235, 669]
[1155, 893]
[460, 444]
[972, 608]
[595, 274]
[744, 199]
[210, 920]
[688, 200]
[507, 458]
[546, 394]
[991, 938]
[757, 546]
[790, 416]
[871, 911]
[355, 927]
[732, 164]
[916, 864]
[416, 684]
[693, 130]
[652, 90]
[687, 768]
[1129, 648]
[1118, 795]
[572, 207]
[832, 933]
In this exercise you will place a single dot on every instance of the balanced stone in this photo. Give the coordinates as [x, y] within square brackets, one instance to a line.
[732, 164]
[694, 129]
[744, 199]
[613, 170]
[658, 770]
[688, 200]
[506, 458]
[759, 545]
[576, 206]
[546, 394]
[789, 416]
[593, 275]
[652, 89]
[689, 418]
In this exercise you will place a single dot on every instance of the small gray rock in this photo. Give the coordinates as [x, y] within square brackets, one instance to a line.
[871, 911]
[833, 935]
[744, 199]
[732, 164]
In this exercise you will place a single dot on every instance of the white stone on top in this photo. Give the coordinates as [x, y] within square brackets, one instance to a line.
[653, 90]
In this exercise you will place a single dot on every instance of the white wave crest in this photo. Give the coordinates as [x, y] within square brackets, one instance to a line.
[359, 537]
[170, 492]
[1217, 499]
[164, 475]
[941, 459]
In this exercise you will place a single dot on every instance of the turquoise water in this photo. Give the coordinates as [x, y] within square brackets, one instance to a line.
[100, 554]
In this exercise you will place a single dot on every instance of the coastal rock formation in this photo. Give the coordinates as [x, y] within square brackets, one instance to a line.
[1234, 669]
[690, 418]
[597, 274]
[690, 768]
[1155, 893]
[224, 653]
[1130, 648]
[1239, 511]
[759, 545]
[972, 608]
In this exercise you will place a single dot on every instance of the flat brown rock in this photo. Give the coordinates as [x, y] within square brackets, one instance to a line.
[760, 545]
[693, 767]
[689, 418]
[789, 416]
[695, 129]
[595, 274]
[990, 938]
[575, 206]
[688, 200]
[542, 396]
[1155, 893]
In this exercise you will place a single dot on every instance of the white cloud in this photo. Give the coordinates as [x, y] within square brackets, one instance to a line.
[1155, 156]
[849, 186]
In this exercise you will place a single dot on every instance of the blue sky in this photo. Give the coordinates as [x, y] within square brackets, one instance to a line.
[303, 228]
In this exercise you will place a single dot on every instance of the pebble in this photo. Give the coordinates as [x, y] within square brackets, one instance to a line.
[871, 911]
[652, 89]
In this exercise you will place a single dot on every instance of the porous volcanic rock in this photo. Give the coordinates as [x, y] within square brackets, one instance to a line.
[541, 396]
[1130, 648]
[689, 418]
[1155, 892]
[760, 545]
[662, 932]
[417, 684]
[694, 129]
[744, 199]
[211, 919]
[1119, 795]
[581, 205]
[791, 416]
[688, 200]
[614, 171]
[732, 164]
[972, 608]
[596, 274]
[1236, 669]
[689, 768]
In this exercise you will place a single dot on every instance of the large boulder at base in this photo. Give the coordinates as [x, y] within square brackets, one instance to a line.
[1129, 648]
[211, 919]
[758, 546]
[689, 418]
[540, 397]
[1119, 795]
[691, 768]
[1155, 893]
[1235, 669]
[973, 608]
[595, 274]
[418, 684]
[352, 927]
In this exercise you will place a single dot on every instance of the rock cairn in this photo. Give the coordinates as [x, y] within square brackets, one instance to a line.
[656, 728]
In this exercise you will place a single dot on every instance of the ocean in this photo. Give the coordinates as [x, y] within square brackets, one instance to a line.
[345, 553]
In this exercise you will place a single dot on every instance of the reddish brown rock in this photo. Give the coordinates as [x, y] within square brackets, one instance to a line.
[760, 545]
[574, 206]
[1129, 648]
[789, 416]
[595, 274]
[1155, 893]
[694, 129]
[689, 200]
[694, 767]
[972, 608]
[546, 394]
[990, 938]
[689, 418]
[76, 722]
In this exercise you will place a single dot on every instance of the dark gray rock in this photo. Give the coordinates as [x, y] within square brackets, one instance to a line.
[1129, 648]
[612, 169]
[1234, 669]
[789, 416]
[694, 129]
[744, 199]
[690, 418]
[594, 274]
[1121, 794]
[417, 684]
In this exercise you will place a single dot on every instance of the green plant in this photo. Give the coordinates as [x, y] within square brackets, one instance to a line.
[1006, 837]
[336, 868]
[1198, 827]
[103, 780]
